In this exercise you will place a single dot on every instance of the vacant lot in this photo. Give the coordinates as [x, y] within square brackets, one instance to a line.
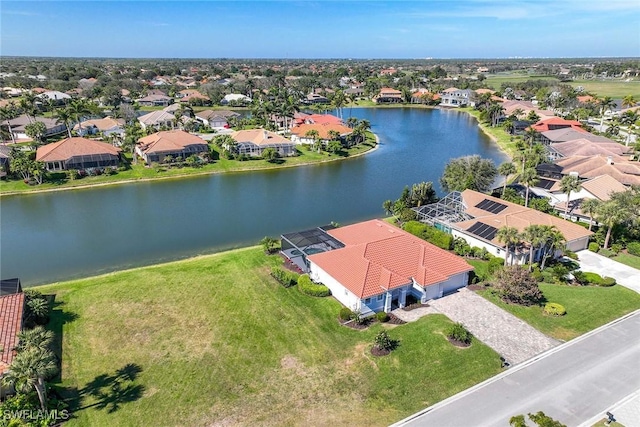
[214, 341]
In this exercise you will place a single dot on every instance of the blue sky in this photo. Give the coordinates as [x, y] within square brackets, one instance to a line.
[322, 29]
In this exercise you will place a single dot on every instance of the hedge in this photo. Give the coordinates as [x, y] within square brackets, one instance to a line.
[307, 287]
[554, 309]
[382, 317]
[594, 247]
[588, 278]
[430, 234]
[346, 314]
[634, 248]
[285, 278]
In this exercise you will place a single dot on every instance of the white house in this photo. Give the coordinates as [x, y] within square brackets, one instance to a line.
[454, 97]
[373, 266]
[235, 98]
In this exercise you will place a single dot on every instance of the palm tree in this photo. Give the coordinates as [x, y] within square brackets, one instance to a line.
[535, 236]
[77, 109]
[529, 178]
[315, 137]
[605, 103]
[29, 369]
[569, 184]
[510, 237]
[64, 116]
[590, 206]
[38, 337]
[339, 100]
[553, 240]
[610, 214]
[506, 169]
[628, 101]
[629, 119]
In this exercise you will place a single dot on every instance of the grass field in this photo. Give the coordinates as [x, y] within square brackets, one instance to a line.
[587, 308]
[612, 88]
[215, 341]
[140, 171]
[630, 260]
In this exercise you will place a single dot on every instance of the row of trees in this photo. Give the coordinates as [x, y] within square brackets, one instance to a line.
[544, 238]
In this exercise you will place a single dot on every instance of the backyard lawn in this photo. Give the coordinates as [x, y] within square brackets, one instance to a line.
[215, 340]
[588, 307]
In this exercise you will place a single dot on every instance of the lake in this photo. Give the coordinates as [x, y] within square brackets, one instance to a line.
[57, 236]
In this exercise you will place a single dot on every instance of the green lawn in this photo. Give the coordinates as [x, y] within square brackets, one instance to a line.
[140, 171]
[502, 138]
[215, 340]
[587, 308]
[630, 260]
[612, 88]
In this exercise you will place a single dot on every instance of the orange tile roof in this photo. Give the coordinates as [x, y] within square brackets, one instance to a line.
[585, 147]
[515, 215]
[70, 147]
[543, 125]
[378, 256]
[259, 137]
[323, 130]
[11, 311]
[168, 141]
[102, 124]
[322, 119]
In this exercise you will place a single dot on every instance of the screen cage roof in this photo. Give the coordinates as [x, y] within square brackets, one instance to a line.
[450, 209]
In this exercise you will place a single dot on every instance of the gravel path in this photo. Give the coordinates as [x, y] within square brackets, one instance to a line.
[511, 337]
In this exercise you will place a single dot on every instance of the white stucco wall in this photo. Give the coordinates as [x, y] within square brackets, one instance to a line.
[339, 292]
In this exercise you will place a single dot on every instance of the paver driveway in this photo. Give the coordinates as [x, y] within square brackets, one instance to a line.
[511, 337]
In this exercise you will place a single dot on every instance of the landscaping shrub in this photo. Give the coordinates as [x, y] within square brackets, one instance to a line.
[559, 273]
[594, 247]
[458, 332]
[383, 341]
[461, 247]
[616, 248]
[284, 277]
[515, 284]
[634, 248]
[430, 234]
[495, 264]
[307, 287]
[606, 252]
[587, 278]
[571, 254]
[607, 281]
[554, 309]
[345, 314]
[382, 317]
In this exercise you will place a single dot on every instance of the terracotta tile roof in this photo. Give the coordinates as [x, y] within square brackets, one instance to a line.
[208, 114]
[585, 98]
[70, 147]
[322, 119]
[102, 124]
[481, 91]
[168, 141]
[544, 125]
[378, 256]
[602, 186]
[585, 147]
[618, 167]
[516, 216]
[11, 310]
[568, 134]
[259, 137]
[155, 117]
[322, 129]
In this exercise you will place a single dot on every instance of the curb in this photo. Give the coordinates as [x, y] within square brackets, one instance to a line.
[512, 370]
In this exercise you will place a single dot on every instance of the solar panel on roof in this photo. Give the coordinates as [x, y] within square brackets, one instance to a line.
[491, 206]
[483, 230]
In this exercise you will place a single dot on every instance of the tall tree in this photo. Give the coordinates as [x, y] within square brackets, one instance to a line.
[553, 241]
[628, 101]
[534, 235]
[64, 116]
[510, 237]
[529, 178]
[470, 172]
[569, 184]
[29, 370]
[7, 113]
[605, 104]
[590, 206]
[422, 194]
[506, 169]
[610, 213]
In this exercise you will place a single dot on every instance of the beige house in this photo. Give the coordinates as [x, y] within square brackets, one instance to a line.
[78, 153]
[252, 142]
[157, 147]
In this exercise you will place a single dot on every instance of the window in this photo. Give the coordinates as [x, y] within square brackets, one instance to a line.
[380, 297]
[367, 301]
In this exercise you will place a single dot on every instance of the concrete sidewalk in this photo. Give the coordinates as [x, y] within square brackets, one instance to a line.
[626, 276]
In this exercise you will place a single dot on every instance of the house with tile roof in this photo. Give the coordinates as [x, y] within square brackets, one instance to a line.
[155, 101]
[619, 167]
[78, 153]
[157, 119]
[554, 123]
[252, 142]
[373, 266]
[569, 134]
[388, 95]
[215, 118]
[11, 322]
[477, 217]
[19, 126]
[599, 188]
[156, 147]
[106, 125]
[298, 133]
[585, 147]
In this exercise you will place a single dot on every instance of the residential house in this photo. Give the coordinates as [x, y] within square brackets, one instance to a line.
[354, 92]
[524, 108]
[11, 323]
[554, 123]
[454, 97]
[157, 119]
[569, 134]
[155, 101]
[315, 98]
[5, 157]
[477, 217]
[156, 147]
[324, 130]
[253, 142]
[235, 98]
[373, 266]
[78, 153]
[620, 168]
[585, 147]
[216, 118]
[55, 96]
[105, 125]
[600, 188]
[388, 95]
[423, 96]
[19, 125]
[192, 96]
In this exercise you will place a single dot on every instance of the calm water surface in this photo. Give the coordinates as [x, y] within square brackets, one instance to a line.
[56, 236]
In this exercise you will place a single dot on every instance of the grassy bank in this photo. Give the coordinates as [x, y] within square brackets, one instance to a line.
[587, 308]
[141, 172]
[502, 138]
[216, 341]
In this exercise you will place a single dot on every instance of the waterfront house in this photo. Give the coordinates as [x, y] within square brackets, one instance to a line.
[19, 124]
[454, 97]
[554, 123]
[156, 147]
[315, 98]
[388, 95]
[235, 98]
[252, 142]
[619, 167]
[215, 118]
[569, 134]
[585, 147]
[324, 130]
[373, 266]
[477, 217]
[78, 153]
[155, 101]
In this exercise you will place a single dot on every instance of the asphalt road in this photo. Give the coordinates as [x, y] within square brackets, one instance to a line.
[571, 383]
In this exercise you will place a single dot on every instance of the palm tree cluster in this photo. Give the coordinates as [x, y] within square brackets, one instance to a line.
[546, 239]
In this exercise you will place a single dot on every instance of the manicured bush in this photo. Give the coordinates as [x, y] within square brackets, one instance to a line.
[607, 281]
[587, 278]
[307, 287]
[616, 248]
[554, 309]
[594, 247]
[345, 314]
[634, 248]
[382, 317]
[458, 332]
[607, 252]
[571, 254]
[284, 277]
[383, 341]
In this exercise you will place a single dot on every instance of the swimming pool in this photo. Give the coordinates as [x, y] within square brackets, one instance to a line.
[309, 251]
